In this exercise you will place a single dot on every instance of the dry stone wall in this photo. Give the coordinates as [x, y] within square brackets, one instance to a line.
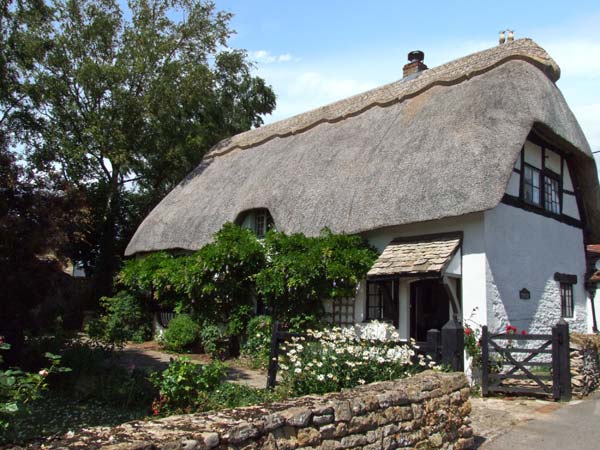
[585, 363]
[428, 411]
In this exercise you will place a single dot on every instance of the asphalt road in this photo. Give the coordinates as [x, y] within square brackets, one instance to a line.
[574, 426]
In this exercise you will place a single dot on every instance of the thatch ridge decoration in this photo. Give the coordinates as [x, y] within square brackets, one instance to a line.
[398, 91]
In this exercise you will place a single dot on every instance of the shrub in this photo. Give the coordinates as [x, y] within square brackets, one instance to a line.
[18, 388]
[338, 358]
[303, 271]
[183, 385]
[213, 339]
[181, 333]
[125, 319]
[303, 322]
[232, 395]
[258, 340]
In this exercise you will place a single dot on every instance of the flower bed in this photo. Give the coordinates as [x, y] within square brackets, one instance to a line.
[336, 358]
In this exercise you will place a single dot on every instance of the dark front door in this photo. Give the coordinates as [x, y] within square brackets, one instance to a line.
[429, 307]
[382, 301]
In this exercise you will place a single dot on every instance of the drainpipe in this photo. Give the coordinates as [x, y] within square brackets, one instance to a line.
[591, 289]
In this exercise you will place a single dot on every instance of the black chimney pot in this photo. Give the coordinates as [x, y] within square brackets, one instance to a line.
[416, 55]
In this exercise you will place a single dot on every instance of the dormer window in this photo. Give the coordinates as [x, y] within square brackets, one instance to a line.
[542, 172]
[258, 220]
[541, 182]
[260, 223]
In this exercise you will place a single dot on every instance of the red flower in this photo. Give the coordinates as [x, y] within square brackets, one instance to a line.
[523, 332]
[468, 331]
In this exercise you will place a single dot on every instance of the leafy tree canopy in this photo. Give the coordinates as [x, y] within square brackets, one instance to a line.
[120, 104]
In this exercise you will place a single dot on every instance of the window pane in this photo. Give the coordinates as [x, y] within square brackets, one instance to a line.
[566, 299]
[551, 197]
[260, 221]
[531, 185]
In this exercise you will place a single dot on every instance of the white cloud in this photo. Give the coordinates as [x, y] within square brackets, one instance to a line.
[577, 57]
[266, 57]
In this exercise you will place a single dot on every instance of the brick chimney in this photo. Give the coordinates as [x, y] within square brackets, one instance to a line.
[415, 63]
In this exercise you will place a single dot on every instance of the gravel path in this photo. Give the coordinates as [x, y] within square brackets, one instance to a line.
[149, 356]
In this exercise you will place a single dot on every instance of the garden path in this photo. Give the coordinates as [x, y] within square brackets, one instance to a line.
[149, 356]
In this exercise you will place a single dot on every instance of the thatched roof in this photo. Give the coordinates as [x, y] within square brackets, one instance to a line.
[440, 145]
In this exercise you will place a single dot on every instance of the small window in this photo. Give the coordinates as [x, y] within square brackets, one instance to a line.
[566, 300]
[342, 311]
[258, 220]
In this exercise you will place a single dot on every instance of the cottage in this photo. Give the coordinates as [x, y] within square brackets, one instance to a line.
[473, 179]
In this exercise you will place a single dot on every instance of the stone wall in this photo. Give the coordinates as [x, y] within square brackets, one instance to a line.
[428, 411]
[585, 363]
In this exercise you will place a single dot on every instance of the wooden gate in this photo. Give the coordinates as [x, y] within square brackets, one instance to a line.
[534, 364]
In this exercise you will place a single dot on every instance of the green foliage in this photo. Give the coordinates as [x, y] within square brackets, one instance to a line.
[238, 321]
[182, 384]
[233, 395]
[125, 319]
[181, 333]
[110, 96]
[221, 276]
[293, 274]
[258, 341]
[18, 388]
[303, 271]
[303, 322]
[96, 392]
[472, 340]
[158, 276]
[213, 339]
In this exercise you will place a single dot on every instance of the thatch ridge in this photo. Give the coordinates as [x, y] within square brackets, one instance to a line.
[453, 72]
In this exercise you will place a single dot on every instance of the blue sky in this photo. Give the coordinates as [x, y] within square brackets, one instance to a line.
[314, 52]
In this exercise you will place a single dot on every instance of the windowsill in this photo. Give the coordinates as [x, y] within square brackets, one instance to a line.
[519, 203]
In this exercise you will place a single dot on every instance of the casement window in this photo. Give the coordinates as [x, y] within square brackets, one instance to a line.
[531, 185]
[552, 194]
[382, 301]
[566, 283]
[260, 224]
[541, 185]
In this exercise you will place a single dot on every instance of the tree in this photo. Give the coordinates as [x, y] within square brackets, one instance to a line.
[123, 104]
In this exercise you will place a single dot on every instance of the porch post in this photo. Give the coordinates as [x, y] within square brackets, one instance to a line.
[453, 344]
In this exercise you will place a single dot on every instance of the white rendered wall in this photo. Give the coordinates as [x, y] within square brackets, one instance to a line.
[524, 250]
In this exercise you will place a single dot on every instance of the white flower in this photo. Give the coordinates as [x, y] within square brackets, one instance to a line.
[320, 377]
[361, 381]
[330, 375]
[297, 370]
